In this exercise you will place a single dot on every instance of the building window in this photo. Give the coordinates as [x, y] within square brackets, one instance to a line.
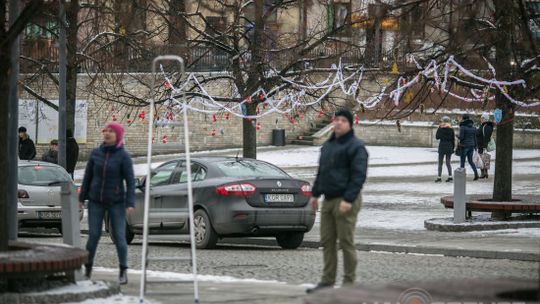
[339, 18]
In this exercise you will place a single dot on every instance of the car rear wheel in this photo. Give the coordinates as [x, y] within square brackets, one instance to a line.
[205, 236]
[129, 233]
[290, 240]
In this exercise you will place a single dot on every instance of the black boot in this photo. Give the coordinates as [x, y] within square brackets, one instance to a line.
[476, 177]
[450, 179]
[122, 276]
[88, 271]
[438, 180]
[318, 287]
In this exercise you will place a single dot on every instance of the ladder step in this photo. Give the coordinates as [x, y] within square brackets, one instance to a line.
[169, 282]
[168, 259]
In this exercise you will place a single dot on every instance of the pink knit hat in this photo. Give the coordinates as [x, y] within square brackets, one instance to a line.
[119, 130]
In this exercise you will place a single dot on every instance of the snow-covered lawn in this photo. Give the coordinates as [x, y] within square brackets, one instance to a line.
[296, 156]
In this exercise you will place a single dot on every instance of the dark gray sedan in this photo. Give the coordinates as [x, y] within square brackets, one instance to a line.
[233, 197]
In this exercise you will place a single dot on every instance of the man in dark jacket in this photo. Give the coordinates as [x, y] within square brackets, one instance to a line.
[340, 178]
[27, 149]
[51, 156]
[483, 136]
[72, 152]
[467, 138]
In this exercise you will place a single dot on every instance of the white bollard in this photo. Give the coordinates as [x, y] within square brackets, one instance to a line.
[460, 195]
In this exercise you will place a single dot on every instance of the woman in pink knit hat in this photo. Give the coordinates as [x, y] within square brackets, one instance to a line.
[109, 167]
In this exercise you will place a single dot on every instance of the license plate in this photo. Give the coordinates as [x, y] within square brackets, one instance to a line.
[279, 198]
[50, 214]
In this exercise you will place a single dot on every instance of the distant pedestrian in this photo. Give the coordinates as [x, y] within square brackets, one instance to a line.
[483, 136]
[446, 137]
[72, 152]
[27, 149]
[340, 178]
[51, 156]
[467, 138]
[108, 167]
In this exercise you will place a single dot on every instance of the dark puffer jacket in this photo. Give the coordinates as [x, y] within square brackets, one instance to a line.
[342, 168]
[467, 134]
[483, 134]
[106, 171]
[445, 133]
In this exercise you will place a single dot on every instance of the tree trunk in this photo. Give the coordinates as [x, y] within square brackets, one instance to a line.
[502, 188]
[250, 133]
[256, 73]
[5, 70]
[72, 13]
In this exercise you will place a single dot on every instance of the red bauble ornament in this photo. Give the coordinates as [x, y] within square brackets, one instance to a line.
[356, 119]
[320, 114]
[164, 139]
[214, 119]
[258, 127]
[142, 115]
[213, 133]
[129, 121]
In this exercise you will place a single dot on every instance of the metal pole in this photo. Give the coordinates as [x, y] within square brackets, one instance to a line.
[13, 121]
[190, 203]
[62, 58]
[460, 195]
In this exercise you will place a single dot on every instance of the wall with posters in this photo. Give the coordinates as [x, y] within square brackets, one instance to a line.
[41, 121]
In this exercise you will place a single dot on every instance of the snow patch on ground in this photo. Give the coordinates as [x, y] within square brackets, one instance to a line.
[189, 277]
[117, 299]
[81, 286]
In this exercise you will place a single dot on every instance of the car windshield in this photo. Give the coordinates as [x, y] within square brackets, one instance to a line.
[250, 168]
[42, 175]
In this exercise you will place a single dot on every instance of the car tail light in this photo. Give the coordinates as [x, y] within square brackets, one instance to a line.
[22, 194]
[243, 189]
[306, 189]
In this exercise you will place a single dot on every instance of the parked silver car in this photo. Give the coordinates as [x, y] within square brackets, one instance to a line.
[39, 202]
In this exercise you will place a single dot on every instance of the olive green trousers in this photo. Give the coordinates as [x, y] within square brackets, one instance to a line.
[337, 226]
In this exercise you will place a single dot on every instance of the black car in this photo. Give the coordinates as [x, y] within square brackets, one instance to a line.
[232, 197]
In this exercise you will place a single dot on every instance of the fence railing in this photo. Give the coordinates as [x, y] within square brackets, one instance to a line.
[123, 57]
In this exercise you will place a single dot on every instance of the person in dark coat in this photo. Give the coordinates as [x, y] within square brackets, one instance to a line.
[467, 138]
[72, 152]
[27, 149]
[108, 167]
[340, 178]
[51, 156]
[446, 137]
[483, 136]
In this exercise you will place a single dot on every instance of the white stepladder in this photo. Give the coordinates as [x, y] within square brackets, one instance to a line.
[145, 257]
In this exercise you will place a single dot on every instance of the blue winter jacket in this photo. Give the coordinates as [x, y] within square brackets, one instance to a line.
[467, 134]
[107, 169]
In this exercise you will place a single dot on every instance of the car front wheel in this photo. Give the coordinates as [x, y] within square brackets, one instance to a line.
[290, 240]
[205, 236]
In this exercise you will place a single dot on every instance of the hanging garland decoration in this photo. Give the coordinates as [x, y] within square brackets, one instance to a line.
[289, 103]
